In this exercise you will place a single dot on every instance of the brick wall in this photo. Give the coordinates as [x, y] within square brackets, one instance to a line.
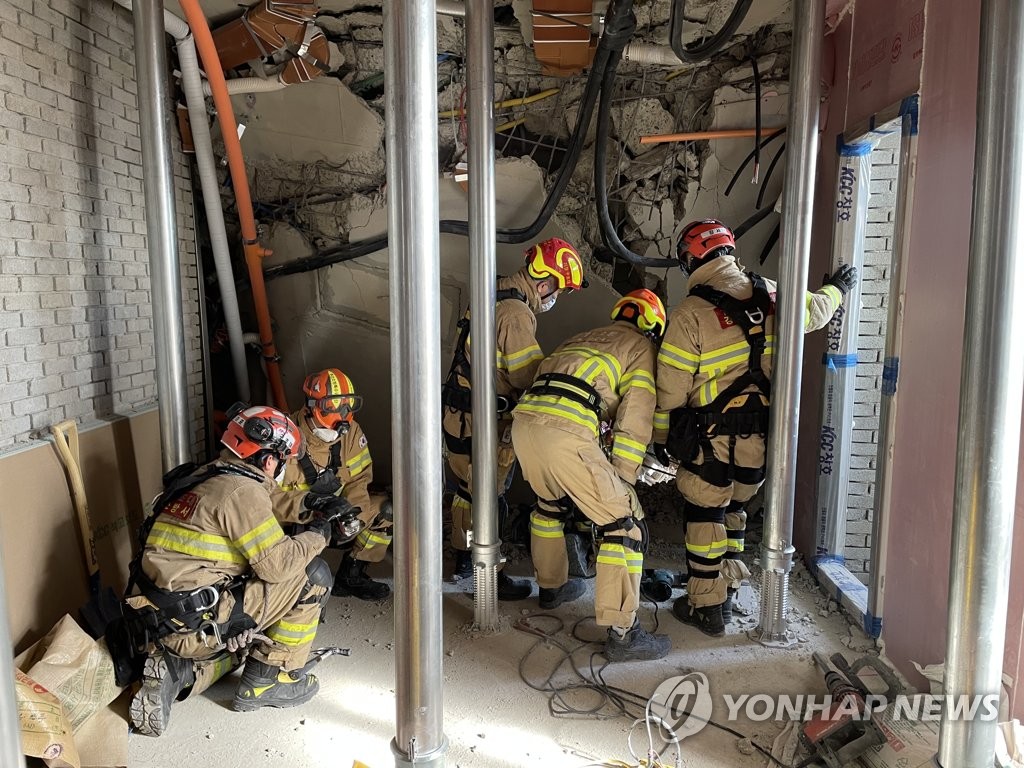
[76, 325]
[871, 344]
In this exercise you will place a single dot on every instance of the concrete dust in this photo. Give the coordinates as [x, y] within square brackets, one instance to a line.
[491, 717]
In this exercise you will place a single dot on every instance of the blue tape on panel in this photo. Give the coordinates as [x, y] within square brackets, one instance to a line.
[909, 107]
[853, 150]
[872, 625]
[890, 375]
[830, 360]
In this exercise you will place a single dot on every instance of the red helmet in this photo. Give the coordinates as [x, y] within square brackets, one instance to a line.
[261, 428]
[644, 309]
[331, 398]
[556, 258]
[701, 240]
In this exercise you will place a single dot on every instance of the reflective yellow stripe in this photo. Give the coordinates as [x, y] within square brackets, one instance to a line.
[458, 501]
[359, 462]
[545, 527]
[260, 539]
[523, 358]
[628, 448]
[641, 379]
[552, 405]
[367, 539]
[735, 545]
[709, 392]
[287, 633]
[661, 420]
[674, 357]
[295, 487]
[612, 554]
[634, 561]
[712, 550]
[185, 541]
[829, 290]
[595, 361]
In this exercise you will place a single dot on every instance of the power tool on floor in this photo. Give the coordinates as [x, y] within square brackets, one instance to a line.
[838, 737]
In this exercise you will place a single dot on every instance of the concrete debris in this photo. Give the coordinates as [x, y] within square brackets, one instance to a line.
[653, 14]
[653, 219]
[857, 641]
[638, 118]
[745, 746]
[572, 115]
[765, 65]
[746, 601]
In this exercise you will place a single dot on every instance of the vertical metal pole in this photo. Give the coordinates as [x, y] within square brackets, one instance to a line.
[483, 273]
[991, 379]
[10, 729]
[161, 232]
[797, 210]
[410, 86]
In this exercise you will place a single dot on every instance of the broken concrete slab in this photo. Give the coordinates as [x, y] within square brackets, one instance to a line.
[638, 118]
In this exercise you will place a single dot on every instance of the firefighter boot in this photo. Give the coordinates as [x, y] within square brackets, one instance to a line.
[463, 564]
[351, 581]
[165, 677]
[552, 598]
[708, 619]
[265, 686]
[510, 590]
[637, 644]
[727, 606]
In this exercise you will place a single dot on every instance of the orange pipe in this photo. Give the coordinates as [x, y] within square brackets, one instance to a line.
[730, 133]
[254, 252]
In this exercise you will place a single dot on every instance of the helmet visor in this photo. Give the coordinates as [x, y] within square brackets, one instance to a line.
[341, 405]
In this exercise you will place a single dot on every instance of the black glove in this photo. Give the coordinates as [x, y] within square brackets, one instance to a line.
[327, 512]
[844, 278]
[662, 455]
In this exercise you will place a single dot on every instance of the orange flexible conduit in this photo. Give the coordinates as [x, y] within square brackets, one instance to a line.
[254, 252]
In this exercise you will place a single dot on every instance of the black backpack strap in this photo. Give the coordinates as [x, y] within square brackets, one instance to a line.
[309, 470]
[334, 462]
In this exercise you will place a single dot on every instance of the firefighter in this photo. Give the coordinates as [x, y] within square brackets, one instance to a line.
[580, 433]
[218, 576]
[552, 268]
[337, 462]
[714, 389]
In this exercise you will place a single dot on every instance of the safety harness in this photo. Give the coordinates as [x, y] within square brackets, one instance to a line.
[735, 412]
[460, 398]
[322, 480]
[570, 515]
[130, 637]
[569, 387]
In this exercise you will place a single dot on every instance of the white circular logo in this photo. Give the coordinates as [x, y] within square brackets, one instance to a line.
[683, 703]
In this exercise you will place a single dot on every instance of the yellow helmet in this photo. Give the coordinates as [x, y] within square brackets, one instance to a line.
[556, 258]
[644, 309]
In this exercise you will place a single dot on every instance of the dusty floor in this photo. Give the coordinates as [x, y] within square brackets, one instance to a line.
[491, 717]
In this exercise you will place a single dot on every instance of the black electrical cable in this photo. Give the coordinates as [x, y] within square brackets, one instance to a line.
[608, 233]
[773, 238]
[698, 52]
[768, 175]
[757, 119]
[752, 222]
[621, 701]
[348, 251]
[735, 177]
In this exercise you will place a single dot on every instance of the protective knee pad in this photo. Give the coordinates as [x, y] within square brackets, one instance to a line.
[698, 514]
[318, 574]
[736, 506]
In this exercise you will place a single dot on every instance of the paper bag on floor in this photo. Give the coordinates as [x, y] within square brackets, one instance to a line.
[79, 672]
[45, 731]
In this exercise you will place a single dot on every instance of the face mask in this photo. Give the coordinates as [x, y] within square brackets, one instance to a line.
[327, 435]
[279, 477]
[548, 302]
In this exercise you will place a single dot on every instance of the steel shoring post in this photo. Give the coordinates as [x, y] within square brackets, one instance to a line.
[797, 210]
[10, 729]
[483, 273]
[161, 233]
[991, 379]
[410, 87]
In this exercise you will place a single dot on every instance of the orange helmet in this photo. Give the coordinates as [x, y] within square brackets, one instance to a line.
[703, 239]
[556, 258]
[261, 428]
[644, 309]
[331, 398]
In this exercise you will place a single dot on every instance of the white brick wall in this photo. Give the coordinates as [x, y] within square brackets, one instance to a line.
[871, 343]
[77, 320]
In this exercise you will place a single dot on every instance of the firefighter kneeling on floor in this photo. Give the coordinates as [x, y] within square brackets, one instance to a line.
[218, 577]
[596, 383]
[714, 389]
[337, 462]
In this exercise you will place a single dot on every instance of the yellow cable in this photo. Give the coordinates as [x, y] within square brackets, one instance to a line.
[521, 102]
[509, 125]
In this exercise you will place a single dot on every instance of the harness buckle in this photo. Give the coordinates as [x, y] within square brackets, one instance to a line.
[213, 597]
[755, 316]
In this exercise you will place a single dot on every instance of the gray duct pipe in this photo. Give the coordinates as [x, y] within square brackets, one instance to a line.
[797, 210]
[483, 273]
[991, 380]
[10, 728]
[410, 101]
[195, 87]
[161, 234]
